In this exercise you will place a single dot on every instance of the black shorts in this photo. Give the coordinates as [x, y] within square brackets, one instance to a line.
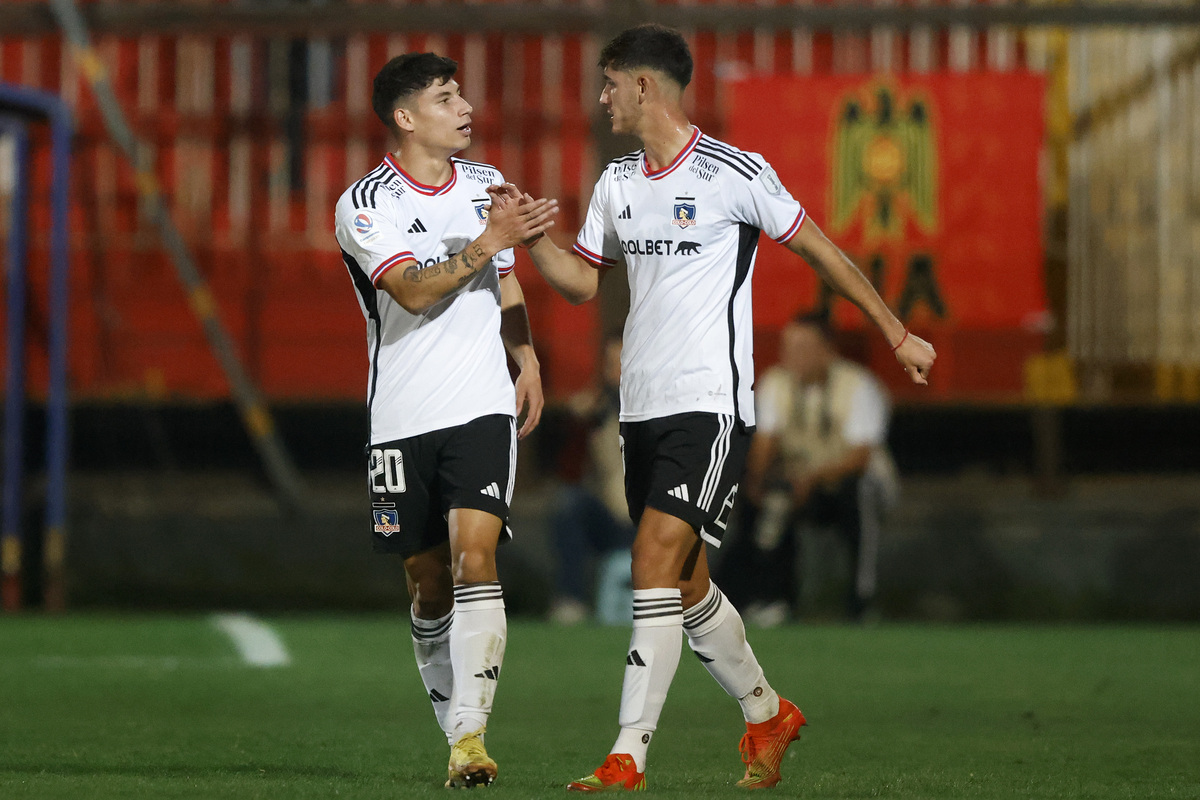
[414, 482]
[686, 465]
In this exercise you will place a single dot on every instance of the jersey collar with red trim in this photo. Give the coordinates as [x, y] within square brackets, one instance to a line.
[417, 186]
[679, 159]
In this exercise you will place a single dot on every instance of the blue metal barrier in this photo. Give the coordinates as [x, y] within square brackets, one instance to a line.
[21, 107]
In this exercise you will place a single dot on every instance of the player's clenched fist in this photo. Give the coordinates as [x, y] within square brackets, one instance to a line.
[916, 356]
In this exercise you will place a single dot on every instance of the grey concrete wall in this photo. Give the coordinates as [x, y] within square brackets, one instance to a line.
[976, 546]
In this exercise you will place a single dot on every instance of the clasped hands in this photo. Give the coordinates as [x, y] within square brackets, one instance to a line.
[517, 217]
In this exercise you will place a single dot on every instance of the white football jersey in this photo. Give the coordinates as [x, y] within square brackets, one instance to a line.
[688, 234]
[447, 365]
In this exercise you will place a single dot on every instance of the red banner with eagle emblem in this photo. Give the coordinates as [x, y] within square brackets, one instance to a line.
[931, 185]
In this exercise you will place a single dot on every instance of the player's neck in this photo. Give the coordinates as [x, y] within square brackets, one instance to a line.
[664, 137]
[423, 165]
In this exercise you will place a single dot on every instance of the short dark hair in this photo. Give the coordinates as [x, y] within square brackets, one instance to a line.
[652, 46]
[819, 320]
[406, 75]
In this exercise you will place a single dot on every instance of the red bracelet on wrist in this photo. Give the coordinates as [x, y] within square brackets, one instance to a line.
[902, 338]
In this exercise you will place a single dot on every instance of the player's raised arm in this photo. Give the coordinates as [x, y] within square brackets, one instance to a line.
[418, 288]
[914, 353]
[518, 340]
[569, 274]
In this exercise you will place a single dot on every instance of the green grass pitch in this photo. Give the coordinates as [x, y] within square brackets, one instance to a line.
[161, 707]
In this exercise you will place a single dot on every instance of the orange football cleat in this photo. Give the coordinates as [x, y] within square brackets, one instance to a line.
[618, 773]
[765, 743]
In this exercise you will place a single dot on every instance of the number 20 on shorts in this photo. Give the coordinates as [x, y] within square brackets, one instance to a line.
[388, 466]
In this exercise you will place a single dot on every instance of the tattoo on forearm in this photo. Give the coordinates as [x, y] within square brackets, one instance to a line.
[472, 257]
[469, 260]
[417, 274]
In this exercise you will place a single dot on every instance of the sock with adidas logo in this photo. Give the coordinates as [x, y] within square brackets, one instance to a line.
[649, 668]
[477, 640]
[431, 644]
[717, 636]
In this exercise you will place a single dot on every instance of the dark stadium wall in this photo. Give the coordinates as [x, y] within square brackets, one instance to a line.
[169, 508]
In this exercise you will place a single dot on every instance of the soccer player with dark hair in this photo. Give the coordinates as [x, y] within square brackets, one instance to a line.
[685, 214]
[431, 260]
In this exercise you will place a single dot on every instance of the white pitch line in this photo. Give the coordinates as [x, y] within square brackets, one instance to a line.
[256, 642]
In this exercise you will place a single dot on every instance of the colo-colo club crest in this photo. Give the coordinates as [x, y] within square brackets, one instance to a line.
[684, 214]
[387, 521]
[885, 164]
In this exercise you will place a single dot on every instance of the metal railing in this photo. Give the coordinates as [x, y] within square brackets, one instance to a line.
[1134, 228]
[255, 116]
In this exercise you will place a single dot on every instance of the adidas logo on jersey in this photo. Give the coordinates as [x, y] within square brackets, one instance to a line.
[417, 227]
[491, 673]
[680, 492]
[634, 660]
[491, 490]
[437, 696]
[625, 214]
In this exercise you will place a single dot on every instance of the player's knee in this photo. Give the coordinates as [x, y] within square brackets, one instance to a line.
[474, 565]
[426, 607]
[655, 565]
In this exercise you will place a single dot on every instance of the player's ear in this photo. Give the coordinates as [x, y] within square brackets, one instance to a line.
[403, 118]
[643, 85]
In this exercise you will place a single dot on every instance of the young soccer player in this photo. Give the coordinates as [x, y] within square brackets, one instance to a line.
[431, 262]
[685, 214]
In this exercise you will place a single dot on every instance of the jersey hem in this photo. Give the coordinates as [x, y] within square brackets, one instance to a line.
[660, 413]
[391, 435]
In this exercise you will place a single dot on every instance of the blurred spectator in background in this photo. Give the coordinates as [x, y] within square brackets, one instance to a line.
[819, 456]
[591, 530]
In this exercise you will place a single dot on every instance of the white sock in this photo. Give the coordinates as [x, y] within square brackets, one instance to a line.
[649, 668]
[716, 634]
[477, 651]
[431, 644]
